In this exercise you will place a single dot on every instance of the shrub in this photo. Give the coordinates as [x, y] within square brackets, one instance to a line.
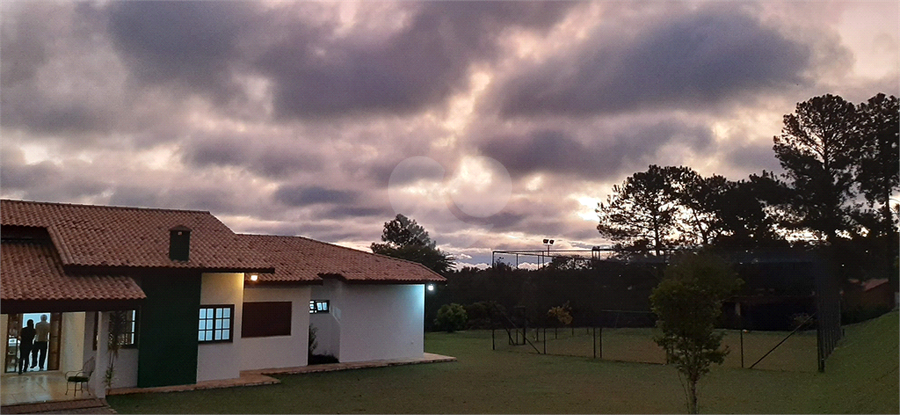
[451, 317]
[479, 315]
[561, 314]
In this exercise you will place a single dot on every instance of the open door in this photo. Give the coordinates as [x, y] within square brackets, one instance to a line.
[16, 322]
[12, 343]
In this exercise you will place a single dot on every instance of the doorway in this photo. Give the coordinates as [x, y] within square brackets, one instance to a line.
[15, 324]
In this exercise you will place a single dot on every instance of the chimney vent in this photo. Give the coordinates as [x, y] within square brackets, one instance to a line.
[179, 243]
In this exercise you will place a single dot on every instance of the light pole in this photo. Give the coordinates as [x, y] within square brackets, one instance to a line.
[548, 242]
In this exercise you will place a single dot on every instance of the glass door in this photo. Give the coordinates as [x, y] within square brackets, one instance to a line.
[12, 343]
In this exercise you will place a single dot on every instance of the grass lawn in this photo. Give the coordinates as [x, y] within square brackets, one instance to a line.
[861, 377]
[796, 354]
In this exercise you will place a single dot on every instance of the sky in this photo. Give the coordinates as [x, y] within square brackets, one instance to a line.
[492, 124]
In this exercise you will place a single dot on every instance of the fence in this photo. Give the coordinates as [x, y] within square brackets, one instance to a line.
[637, 345]
[628, 336]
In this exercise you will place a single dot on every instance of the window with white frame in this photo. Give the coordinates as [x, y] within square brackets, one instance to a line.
[216, 323]
[128, 332]
[318, 306]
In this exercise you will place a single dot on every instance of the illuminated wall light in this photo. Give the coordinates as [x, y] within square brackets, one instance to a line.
[430, 287]
[254, 277]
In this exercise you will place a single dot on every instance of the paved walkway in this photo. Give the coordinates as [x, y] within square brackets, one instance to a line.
[244, 380]
[263, 376]
[331, 367]
[80, 406]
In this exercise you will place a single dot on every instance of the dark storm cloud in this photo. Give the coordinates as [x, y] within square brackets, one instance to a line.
[203, 196]
[501, 221]
[202, 46]
[269, 158]
[415, 68]
[604, 157]
[344, 212]
[23, 46]
[699, 58]
[753, 158]
[294, 195]
[48, 85]
[192, 44]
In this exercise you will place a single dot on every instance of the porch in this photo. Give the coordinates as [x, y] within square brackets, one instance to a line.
[35, 387]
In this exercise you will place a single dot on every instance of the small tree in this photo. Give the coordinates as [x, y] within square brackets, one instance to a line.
[562, 314]
[451, 317]
[688, 303]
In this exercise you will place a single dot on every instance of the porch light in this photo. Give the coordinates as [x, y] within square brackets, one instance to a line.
[430, 287]
[254, 277]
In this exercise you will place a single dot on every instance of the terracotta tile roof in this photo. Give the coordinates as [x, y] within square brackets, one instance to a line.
[33, 271]
[86, 235]
[298, 259]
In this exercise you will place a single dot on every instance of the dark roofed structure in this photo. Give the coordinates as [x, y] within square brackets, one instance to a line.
[303, 260]
[33, 273]
[85, 254]
[125, 237]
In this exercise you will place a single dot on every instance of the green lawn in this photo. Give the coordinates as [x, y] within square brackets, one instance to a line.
[797, 353]
[861, 377]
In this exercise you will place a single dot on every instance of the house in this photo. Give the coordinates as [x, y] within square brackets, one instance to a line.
[200, 301]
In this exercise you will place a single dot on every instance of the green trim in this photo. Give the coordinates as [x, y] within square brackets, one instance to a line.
[168, 325]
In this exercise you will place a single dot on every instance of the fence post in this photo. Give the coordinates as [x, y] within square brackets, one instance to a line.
[595, 342]
[493, 346]
[742, 348]
[601, 342]
[545, 340]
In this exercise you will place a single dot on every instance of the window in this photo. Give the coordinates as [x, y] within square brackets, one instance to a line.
[216, 323]
[318, 306]
[129, 320]
[266, 319]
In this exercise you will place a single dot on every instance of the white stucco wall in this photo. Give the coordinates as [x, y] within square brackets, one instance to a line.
[88, 350]
[278, 351]
[381, 322]
[328, 325]
[221, 360]
[71, 353]
[126, 369]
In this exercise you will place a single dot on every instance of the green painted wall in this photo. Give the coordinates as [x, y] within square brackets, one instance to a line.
[168, 332]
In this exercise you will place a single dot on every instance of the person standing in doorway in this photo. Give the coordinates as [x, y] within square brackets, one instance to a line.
[26, 340]
[42, 336]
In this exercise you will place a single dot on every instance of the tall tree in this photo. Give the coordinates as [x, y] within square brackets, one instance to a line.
[816, 148]
[644, 213]
[879, 150]
[878, 175]
[743, 214]
[403, 238]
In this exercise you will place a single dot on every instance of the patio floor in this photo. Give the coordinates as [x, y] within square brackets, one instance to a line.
[31, 387]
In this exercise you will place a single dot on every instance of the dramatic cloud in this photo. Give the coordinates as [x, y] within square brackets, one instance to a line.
[418, 66]
[601, 158]
[303, 196]
[493, 124]
[697, 58]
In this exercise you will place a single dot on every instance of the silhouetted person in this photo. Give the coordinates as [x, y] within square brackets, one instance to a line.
[26, 340]
[42, 336]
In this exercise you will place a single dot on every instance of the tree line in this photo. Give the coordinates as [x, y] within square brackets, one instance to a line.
[840, 163]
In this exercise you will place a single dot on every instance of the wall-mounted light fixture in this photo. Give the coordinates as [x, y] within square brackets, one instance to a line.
[430, 287]
[254, 277]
